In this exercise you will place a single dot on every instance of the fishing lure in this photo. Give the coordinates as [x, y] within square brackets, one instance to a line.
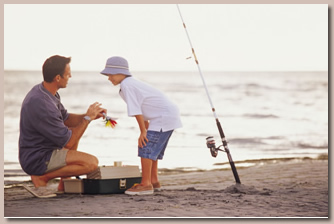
[109, 121]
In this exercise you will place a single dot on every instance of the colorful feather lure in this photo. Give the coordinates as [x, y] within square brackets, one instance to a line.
[109, 121]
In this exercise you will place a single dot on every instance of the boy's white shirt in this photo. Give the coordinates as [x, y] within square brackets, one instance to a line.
[143, 99]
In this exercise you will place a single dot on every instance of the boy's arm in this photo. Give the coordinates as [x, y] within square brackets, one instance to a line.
[142, 126]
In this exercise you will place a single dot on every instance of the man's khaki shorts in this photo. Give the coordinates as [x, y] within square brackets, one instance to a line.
[57, 160]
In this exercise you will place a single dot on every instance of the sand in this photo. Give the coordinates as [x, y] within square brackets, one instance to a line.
[297, 188]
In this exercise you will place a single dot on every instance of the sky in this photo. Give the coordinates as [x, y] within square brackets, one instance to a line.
[226, 37]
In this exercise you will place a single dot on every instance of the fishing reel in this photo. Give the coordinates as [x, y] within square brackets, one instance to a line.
[211, 144]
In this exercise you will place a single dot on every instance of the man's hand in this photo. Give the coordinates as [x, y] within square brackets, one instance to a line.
[95, 111]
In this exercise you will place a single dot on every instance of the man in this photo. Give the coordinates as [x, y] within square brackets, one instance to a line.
[49, 135]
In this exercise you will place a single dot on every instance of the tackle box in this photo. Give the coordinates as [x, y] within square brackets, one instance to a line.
[105, 180]
[109, 186]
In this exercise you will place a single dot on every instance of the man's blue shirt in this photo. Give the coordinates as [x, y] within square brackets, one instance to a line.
[42, 129]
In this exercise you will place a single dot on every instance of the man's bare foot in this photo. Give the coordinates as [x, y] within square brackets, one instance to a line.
[61, 186]
[39, 181]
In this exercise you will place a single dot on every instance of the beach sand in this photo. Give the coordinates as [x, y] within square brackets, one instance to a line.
[295, 188]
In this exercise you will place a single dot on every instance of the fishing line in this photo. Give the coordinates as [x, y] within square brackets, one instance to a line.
[210, 140]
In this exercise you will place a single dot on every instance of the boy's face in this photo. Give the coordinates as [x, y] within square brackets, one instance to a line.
[116, 79]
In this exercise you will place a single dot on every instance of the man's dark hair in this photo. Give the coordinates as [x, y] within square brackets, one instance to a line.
[54, 66]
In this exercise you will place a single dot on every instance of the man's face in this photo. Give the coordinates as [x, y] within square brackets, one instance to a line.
[67, 75]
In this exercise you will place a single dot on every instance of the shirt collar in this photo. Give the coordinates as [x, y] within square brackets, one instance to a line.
[55, 98]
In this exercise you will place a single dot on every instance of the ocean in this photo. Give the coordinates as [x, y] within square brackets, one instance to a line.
[264, 115]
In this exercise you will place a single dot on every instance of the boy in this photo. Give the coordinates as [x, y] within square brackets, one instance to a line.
[156, 115]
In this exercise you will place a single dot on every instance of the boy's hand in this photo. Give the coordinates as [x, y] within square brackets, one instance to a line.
[142, 139]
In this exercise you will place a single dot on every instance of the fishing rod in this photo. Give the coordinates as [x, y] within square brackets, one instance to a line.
[210, 142]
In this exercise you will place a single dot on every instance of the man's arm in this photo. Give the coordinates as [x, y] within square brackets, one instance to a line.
[77, 133]
[94, 112]
[74, 120]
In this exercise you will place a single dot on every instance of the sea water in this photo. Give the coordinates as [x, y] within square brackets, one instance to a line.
[263, 115]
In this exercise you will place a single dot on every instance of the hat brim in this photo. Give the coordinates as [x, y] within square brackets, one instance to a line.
[115, 71]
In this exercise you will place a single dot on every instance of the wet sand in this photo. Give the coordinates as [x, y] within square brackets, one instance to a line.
[296, 188]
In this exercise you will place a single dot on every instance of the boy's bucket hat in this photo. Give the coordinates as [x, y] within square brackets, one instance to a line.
[116, 65]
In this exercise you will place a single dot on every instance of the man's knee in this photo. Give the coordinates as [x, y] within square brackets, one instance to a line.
[88, 161]
[94, 163]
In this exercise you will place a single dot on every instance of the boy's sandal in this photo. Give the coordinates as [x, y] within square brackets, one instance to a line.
[138, 189]
[157, 186]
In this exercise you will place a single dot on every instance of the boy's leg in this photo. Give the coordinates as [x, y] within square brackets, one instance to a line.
[163, 145]
[154, 172]
[145, 187]
[146, 165]
[157, 143]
